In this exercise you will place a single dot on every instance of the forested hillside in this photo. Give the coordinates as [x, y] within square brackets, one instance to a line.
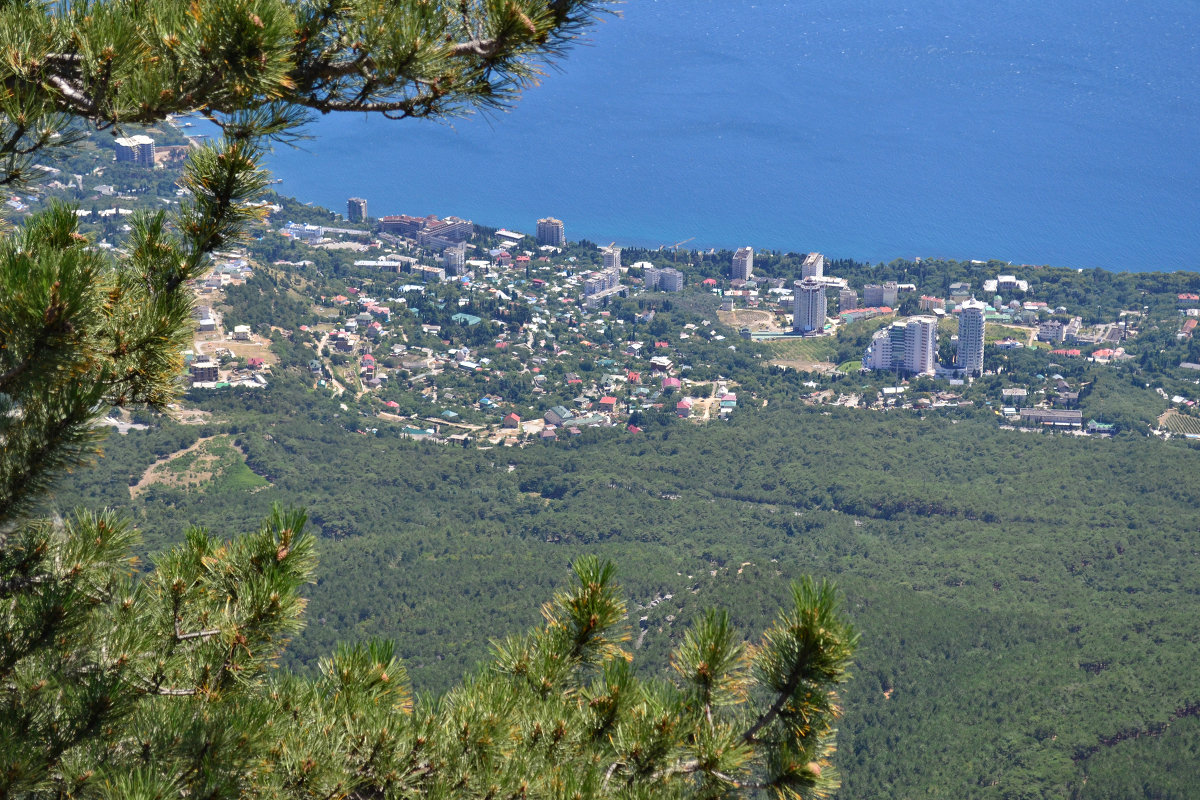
[1027, 602]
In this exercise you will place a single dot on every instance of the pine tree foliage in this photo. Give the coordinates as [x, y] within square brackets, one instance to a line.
[119, 679]
[161, 686]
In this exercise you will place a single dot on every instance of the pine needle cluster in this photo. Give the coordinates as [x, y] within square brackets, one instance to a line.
[125, 680]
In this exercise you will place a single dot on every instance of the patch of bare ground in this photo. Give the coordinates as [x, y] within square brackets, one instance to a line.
[804, 364]
[160, 471]
[753, 319]
[191, 416]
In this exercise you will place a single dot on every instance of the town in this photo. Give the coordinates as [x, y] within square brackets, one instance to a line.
[443, 329]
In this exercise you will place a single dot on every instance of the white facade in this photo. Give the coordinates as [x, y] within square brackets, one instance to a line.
[743, 264]
[612, 257]
[875, 295]
[666, 279]
[970, 337]
[813, 266]
[908, 346]
[879, 353]
[920, 345]
[136, 150]
[552, 232]
[454, 259]
[808, 306]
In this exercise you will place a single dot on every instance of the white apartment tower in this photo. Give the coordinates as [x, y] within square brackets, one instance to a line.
[743, 264]
[808, 306]
[813, 266]
[612, 257]
[970, 337]
[136, 150]
[906, 346]
[920, 345]
[551, 231]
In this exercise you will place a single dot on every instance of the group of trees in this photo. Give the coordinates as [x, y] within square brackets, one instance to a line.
[117, 681]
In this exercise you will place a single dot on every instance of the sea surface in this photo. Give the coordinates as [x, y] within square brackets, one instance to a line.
[1063, 133]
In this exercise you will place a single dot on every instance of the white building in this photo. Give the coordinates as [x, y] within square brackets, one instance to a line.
[906, 346]
[813, 266]
[920, 345]
[808, 306]
[875, 295]
[454, 259]
[136, 150]
[612, 257]
[552, 232]
[743, 264]
[970, 337]
[666, 279]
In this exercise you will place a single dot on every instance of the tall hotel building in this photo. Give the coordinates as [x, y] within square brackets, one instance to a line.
[612, 257]
[813, 266]
[136, 150]
[551, 231]
[906, 346]
[970, 337]
[808, 306]
[356, 209]
[743, 264]
[920, 345]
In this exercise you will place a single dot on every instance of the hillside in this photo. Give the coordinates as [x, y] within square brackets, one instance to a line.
[1027, 602]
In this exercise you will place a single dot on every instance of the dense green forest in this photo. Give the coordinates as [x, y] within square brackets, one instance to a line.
[1027, 602]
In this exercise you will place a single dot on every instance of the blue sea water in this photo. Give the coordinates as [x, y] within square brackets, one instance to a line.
[1062, 133]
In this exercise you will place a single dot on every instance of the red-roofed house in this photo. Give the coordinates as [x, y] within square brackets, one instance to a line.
[511, 421]
[608, 404]
[671, 383]
[709, 282]
[1072, 353]
[633, 429]
[1104, 353]
[255, 363]
[684, 407]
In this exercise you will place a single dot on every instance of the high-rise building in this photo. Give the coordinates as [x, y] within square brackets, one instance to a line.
[906, 346]
[879, 353]
[612, 257]
[875, 296]
[808, 306]
[356, 209]
[743, 264]
[136, 150]
[666, 279]
[551, 231]
[920, 345]
[813, 266]
[847, 300]
[454, 259]
[970, 337]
